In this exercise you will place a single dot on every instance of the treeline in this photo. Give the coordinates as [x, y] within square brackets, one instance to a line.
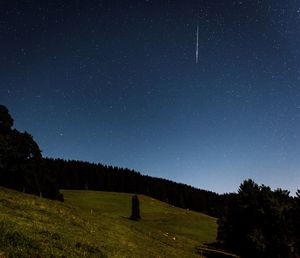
[23, 168]
[84, 175]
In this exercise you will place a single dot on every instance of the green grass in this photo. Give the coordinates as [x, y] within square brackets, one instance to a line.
[96, 224]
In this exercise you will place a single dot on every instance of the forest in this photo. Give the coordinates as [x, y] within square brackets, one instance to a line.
[254, 222]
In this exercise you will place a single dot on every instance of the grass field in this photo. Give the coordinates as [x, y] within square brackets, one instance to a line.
[96, 224]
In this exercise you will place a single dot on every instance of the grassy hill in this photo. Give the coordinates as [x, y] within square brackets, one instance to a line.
[96, 224]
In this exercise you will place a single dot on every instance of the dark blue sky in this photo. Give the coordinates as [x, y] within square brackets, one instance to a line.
[116, 82]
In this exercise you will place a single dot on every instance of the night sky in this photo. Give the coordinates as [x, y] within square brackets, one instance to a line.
[116, 82]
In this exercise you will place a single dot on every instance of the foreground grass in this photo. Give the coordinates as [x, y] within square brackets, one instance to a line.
[96, 224]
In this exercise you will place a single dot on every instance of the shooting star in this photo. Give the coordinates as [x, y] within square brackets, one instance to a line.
[197, 43]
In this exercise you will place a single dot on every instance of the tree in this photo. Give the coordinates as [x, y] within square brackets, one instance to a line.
[135, 208]
[294, 224]
[256, 223]
[6, 121]
[20, 161]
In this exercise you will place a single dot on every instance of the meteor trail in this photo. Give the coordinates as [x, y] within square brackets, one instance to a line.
[197, 44]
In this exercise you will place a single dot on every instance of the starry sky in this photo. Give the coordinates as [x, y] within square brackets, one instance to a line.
[116, 82]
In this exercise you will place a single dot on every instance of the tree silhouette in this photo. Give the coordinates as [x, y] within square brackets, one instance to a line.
[20, 161]
[135, 208]
[6, 121]
[256, 223]
[294, 225]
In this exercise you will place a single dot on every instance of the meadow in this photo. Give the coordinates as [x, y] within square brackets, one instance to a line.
[96, 224]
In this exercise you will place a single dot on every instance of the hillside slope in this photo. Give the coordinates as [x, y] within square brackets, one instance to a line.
[96, 224]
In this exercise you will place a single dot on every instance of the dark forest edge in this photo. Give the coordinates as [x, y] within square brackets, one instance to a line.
[255, 222]
[23, 168]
